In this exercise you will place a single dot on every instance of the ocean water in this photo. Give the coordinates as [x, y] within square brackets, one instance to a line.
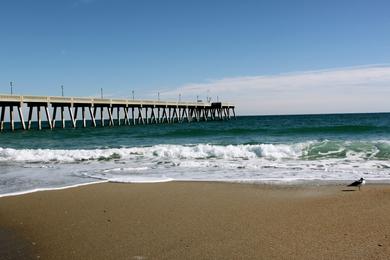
[277, 149]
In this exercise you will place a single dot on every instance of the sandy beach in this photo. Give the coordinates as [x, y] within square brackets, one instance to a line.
[197, 220]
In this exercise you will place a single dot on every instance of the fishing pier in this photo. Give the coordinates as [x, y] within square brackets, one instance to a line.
[93, 112]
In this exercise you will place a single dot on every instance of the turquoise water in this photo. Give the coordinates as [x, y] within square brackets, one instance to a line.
[256, 148]
[244, 130]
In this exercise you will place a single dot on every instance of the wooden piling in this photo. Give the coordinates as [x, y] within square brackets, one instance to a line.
[189, 115]
[76, 109]
[132, 115]
[21, 117]
[118, 116]
[62, 117]
[152, 116]
[92, 115]
[126, 111]
[164, 116]
[110, 116]
[146, 115]
[54, 117]
[140, 116]
[72, 117]
[101, 116]
[174, 115]
[30, 116]
[182, 114]
[83, 117]
[39, 116]
[48, 117]
[2, 118]
[11, 117]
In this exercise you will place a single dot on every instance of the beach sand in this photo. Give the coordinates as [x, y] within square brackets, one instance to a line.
[198, 220]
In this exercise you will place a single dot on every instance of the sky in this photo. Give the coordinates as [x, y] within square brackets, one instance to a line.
[268, 57]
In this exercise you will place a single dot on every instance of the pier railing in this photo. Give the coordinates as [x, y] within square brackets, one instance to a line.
[57, 99]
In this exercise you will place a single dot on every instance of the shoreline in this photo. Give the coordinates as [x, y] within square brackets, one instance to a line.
[201, 220]
[277, 183]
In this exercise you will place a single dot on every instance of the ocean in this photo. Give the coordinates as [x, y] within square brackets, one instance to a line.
[258, 149]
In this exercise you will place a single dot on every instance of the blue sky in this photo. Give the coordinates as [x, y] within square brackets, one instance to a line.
[167, 46]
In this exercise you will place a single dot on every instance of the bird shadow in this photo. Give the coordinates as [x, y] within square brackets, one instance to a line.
[347, 190]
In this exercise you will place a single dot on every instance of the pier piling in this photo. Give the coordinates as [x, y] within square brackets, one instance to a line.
[142, 111]
[2, 118]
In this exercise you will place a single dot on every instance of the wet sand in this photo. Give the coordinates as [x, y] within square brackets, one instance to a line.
[198, 220]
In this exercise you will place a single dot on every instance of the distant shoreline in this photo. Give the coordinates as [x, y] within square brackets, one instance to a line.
[315, 114]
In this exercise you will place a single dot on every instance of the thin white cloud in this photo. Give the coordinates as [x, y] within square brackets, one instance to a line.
[352, 89]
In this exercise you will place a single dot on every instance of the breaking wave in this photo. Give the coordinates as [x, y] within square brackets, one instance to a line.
[311, 150]
[24, 170]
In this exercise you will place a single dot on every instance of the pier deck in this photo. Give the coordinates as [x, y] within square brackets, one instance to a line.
[118, 111]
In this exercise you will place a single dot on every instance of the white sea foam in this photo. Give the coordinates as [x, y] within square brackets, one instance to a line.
[127, 169]
[295, 151]
[25, 170]
[201, 151]
[139, 179]
[50, 188]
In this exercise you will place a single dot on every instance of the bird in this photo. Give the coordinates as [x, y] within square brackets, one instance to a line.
[358, 183]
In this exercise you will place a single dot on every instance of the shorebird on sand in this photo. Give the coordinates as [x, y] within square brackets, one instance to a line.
[358, 183]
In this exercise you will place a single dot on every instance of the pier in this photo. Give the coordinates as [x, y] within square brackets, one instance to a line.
[93, 112]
